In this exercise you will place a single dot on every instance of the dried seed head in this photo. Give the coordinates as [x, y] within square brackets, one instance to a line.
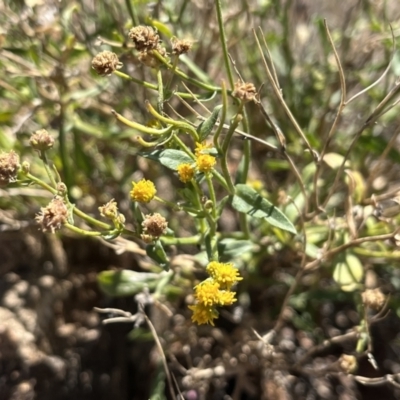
[373, 298]
[53, 216]
[244, 91]
[105, 63]
[348, 363]
[9, 165]
[41, 140]
[144, 38]
[110, 211]
[147, 57]
[181, 46]
[154, 225]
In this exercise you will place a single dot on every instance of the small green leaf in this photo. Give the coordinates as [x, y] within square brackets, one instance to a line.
[248, 201]
[348, 273]
[229, 249]
[205, 128]
[156, 253]
[126, 282]
[170, 158]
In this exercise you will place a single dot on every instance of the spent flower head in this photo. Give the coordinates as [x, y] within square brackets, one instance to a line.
[373, 298]
[185, 172]
[154, 225]
[9, 166]
[244, 91]
[105, 63]
[224, 273]
[53, 216]
[41, 140]
[143, 191]
[181, 46]
[144, 38]
[110, 211]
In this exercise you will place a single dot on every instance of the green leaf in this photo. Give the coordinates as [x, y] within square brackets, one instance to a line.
[126, 282]
[205, 127]
[156, 253]
[348, 273]
[248, 201]
[229, 249]
[170, 158]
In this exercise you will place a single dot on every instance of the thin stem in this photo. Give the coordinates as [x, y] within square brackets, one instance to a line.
[132, 13]
[223, 43]
[43, 157]
[160, 87]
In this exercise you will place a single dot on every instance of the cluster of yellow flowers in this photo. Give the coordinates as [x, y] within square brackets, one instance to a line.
[214, 292]
[204, 163]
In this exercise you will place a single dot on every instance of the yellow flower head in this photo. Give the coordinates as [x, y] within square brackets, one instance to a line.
[226, 298]
[205, 162]
[207, 293]
[225, 274]
[185, 172]
[143, 191]
[203, 314]
[200, 147]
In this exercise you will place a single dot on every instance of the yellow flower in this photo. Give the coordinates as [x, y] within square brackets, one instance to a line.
[203, 314]
[224, 274]
[207, 293]
[185, 172]
[205, 162]
[200, 147]
[226, 298]
[143, 191]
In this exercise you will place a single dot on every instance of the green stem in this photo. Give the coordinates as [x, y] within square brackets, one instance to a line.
[83, 232]
[138, 81]
[174, 65]
[225, 145]
[154, 87]
[191, 240]
[177, 124]
[182, 75]
[63, 149]
[41, 183]
[243, 172]
[43, 157]
[160, 87]
[223, 42]
[132, 13]
[91, 220]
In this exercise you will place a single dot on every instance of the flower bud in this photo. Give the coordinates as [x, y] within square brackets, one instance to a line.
[41, 140]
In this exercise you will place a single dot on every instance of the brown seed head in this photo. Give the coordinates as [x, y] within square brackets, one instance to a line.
[348, 363]
[9, 165]
[110, 211]
[41, 140]
[373, 298]
[53, 216]
[105, 63]
[181, 46]
[154, 225]
[144, 38]
[244, 91]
